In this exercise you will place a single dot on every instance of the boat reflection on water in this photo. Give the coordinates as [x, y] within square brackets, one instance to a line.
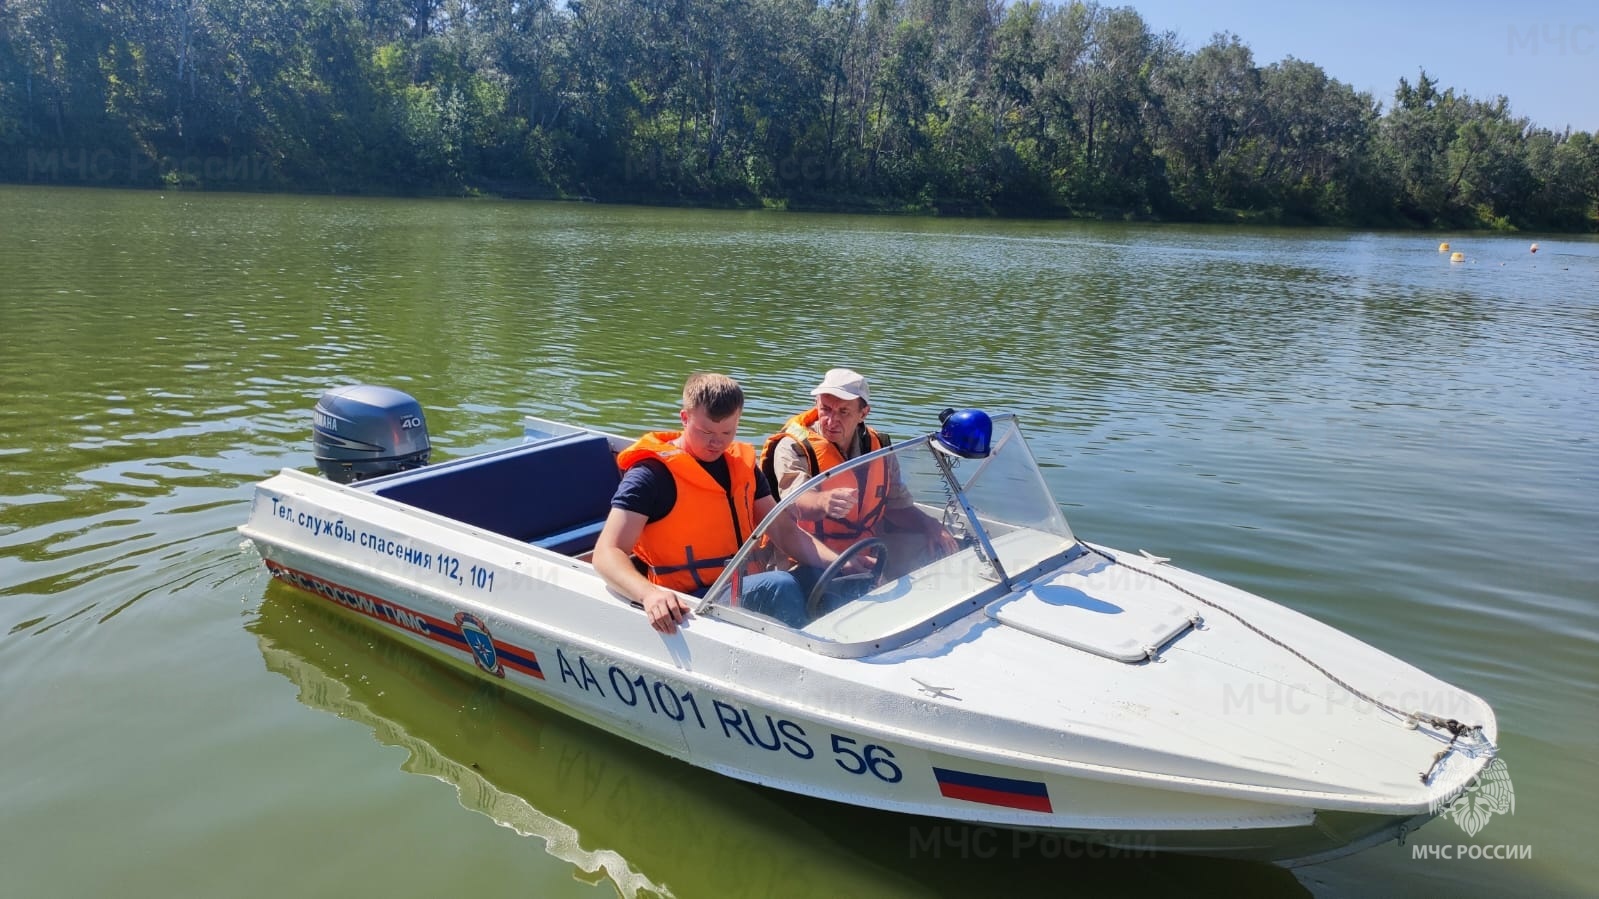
[651, 825]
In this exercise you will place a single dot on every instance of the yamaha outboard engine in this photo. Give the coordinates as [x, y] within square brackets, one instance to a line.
[363, 431]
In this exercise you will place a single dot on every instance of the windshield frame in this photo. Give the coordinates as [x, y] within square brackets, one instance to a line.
[960, 512]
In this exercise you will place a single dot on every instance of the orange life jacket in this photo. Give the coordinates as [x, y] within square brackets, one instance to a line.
[871, 481]
[688, 549]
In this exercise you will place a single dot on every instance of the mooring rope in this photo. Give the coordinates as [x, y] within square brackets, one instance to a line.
[1455, 728]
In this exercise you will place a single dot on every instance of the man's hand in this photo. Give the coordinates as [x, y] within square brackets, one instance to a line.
[940, 542]
[664, 608]
[620, 534]
[841, 501]
[862, 563]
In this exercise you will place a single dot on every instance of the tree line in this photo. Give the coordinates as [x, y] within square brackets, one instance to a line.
[955, 106]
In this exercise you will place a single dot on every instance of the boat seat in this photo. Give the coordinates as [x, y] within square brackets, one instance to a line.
[573, 541]
[553, 494]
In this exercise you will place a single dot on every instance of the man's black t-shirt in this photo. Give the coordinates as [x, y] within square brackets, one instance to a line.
[649, 489]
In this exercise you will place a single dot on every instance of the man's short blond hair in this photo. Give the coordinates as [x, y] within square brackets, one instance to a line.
[717, 395]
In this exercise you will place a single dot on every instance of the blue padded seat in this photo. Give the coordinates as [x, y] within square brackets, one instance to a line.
[554, 494]
[573, 541]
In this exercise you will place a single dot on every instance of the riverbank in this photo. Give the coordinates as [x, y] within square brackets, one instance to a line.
[262, 180]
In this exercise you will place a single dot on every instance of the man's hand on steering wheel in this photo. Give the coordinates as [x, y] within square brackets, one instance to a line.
[863, 562]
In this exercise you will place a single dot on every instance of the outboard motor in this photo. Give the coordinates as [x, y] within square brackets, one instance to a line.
[363, 431]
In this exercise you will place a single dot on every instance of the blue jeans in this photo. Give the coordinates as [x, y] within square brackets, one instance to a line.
[775, 594]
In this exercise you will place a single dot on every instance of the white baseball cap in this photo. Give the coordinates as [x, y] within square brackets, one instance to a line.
[844, 384]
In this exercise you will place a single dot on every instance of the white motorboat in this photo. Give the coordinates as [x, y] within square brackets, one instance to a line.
[1027, 679]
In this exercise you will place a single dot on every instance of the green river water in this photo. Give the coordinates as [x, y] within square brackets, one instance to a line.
[1345, 422]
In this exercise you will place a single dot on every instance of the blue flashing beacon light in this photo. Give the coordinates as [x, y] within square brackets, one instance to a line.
[966, 433]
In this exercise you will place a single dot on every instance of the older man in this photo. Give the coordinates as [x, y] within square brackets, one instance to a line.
[827, 435]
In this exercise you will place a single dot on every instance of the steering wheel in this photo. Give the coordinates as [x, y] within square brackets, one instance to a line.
[813, 602]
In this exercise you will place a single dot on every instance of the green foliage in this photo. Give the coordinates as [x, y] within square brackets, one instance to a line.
[968, 106]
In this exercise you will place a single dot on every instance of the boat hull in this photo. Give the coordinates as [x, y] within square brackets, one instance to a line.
[878, 732]
[728, 733]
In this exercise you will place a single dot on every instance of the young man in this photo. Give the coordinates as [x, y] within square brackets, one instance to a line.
[688, 500]
[823, 437]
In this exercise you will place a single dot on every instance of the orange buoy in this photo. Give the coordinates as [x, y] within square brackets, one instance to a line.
[1457, 257]
[1443, 247]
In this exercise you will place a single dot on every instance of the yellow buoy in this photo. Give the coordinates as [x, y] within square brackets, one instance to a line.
[1535, 248]
[1457, 257]
[1443, 247]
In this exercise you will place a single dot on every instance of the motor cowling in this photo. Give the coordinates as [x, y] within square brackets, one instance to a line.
[363, 431]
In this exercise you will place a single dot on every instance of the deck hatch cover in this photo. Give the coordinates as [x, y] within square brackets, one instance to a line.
[1108, 610]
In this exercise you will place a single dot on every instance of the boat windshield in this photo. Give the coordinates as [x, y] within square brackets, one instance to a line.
[935, 536]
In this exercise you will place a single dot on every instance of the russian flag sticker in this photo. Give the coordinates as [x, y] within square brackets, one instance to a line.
[989, 790]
